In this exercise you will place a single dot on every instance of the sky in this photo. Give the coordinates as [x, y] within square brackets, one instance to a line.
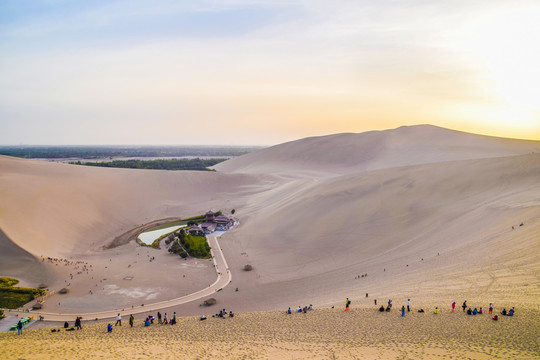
[239, 72]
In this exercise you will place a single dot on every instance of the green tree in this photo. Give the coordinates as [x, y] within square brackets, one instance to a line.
[175, 247]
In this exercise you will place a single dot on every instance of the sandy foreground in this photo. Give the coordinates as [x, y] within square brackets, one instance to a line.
[318, 334]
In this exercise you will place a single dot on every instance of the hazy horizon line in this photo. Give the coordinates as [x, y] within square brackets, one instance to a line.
[128, 145]
[272, 144]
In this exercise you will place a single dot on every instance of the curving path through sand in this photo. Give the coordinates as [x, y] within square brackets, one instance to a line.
[224, 277]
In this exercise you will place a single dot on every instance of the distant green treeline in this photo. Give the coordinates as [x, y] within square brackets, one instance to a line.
[163, 164]
[100, 152]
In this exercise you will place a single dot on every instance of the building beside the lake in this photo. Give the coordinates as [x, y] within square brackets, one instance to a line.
[212, 222]
[223, 222]
[209, 217]
[208, 227]
[196, 230]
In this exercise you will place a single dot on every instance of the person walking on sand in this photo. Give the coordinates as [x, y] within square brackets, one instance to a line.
[464, 306]
[403, 310]
[490, 308]
[118, 320]
[408, 305]
[347, 304]
[131, 319]
[19, 327]
[453, 305]
[78, 323]
[159, 317]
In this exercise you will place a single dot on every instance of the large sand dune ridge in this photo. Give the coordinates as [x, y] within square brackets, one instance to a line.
[421, 210]
[339, 154]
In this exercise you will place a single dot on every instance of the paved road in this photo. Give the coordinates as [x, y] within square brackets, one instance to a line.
[224, 277]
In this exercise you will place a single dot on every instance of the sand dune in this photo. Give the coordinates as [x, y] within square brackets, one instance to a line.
[391, 224]
[423, 211]
[407, 211]
[20, 264]
[57, 209]
[352, 153]
[71, 212]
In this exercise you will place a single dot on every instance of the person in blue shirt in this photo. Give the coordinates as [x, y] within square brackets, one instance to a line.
[511, 312]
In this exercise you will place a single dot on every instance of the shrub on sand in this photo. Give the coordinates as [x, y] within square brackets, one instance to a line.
[209, 302]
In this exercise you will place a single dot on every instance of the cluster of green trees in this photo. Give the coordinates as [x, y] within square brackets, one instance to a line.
[12, 297]
[166, 164]
[195, 246]
[176, 247]
[99, 152]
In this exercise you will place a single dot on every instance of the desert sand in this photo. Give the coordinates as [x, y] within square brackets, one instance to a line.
[318, 334]
[421, 212]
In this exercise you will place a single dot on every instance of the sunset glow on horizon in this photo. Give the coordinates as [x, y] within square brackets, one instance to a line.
[264, 72]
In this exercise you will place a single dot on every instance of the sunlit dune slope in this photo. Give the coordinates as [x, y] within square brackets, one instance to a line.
[351, 153]
[58, 209]
[334, 229]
